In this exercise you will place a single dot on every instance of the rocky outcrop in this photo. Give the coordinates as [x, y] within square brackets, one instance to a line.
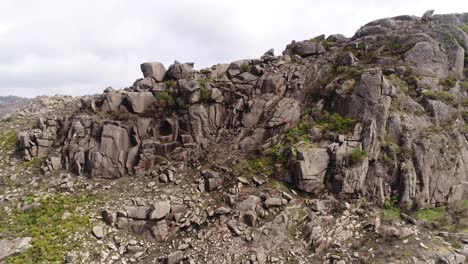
[408, 140]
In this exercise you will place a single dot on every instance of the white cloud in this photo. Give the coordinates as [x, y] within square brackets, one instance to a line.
[81, 47]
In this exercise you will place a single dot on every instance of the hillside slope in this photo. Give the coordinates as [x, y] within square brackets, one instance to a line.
[340, 150]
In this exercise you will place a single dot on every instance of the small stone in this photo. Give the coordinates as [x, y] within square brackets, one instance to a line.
[151, 184]
[163, 178]
[423, 246]
[273, 202]
[175, 257]
[183, 247]
[287, 196]
[160, 210]
[222, 211]
[243, 180]
[98, 232]
[65, 215]
[258, 180]
[70, 257]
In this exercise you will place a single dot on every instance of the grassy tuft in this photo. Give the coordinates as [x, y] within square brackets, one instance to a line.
[8, 141]
[448, 82]
[52, 236]
[443, 96]
[164, 97]
[299, 133]
[435, 214]
[245, 67]
[258, 166]
[337, 123]
[464, 85]
[356, 156]
[170, 84]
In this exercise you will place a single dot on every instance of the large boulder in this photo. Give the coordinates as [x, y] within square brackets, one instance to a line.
[155, 70]
[428, 59]
[109, 160]
[140, 101]
[309, 168]
[190, 91]
[179, 71]
[287, 112]
[304, 48]
[111, 100]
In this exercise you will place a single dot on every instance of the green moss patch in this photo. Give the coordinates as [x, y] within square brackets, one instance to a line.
[443, 96]
[434, 214]
[337, 123]
[52, 236]
[8, 141]
[356, 156]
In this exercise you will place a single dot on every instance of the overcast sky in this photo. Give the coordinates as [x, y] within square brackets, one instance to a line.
[81, 47]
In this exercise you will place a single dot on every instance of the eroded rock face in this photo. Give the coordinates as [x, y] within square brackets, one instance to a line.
[310, 168]
[381, 80]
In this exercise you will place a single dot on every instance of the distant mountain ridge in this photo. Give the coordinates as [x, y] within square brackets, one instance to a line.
[10, 103]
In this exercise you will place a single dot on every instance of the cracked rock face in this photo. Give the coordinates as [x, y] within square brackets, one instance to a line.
[196, 161]
[389, 78]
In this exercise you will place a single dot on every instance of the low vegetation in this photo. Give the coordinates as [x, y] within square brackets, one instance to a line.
[391, 211]
[443, 96]
[464, 85]
[52, 233]
[170, 84]
[337, 123]
[402, 85]
[464, 27]
[8, 141]
[164, 98]
[204, 92]
[327, 44]
[298, 133]
[356, 156]
[264, 165]
[448, 82]
[349, 72]
[34, 163]
[245, 67]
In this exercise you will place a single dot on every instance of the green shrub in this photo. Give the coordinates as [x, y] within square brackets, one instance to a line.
[51, 235]
[464, 86]
[327, 44]
[258, 166]
[8, 140]
[356, 156]
[434, 214]
[34, 163]
[349, 72]
[164, 97]
[442, 96]
[170, 84]
[405, 153]
[465, 102]
[448, 82]
[299, 133]
[396, 46]
[337, 123]
[205, 94]
[464, 27]
[245, 67]
[390, 211]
